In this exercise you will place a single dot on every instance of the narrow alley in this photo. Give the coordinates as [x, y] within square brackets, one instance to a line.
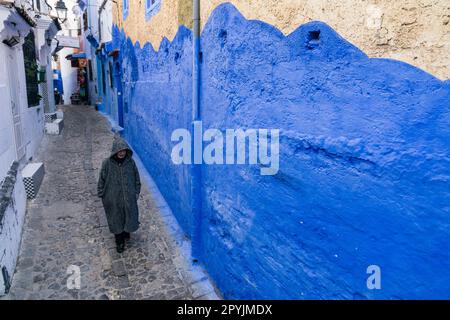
[66, 226]
[287, 150]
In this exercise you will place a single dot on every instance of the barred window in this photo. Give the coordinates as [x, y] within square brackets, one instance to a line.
[31, 70]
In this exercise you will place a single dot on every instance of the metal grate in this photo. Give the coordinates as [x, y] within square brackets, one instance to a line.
[44, 90]
[50, 117]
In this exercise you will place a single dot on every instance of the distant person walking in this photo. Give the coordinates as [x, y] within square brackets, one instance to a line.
[119, 186]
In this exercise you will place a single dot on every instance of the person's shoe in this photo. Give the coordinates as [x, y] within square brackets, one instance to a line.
[120, 247]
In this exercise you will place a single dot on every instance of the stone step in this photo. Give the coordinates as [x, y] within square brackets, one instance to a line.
[54, 127]
[32, 176]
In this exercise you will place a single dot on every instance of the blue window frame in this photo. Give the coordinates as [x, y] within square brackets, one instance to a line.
[151, 8]
[125, 8]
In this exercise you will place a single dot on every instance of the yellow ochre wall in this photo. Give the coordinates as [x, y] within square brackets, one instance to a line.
[413, 31]
[165, 23]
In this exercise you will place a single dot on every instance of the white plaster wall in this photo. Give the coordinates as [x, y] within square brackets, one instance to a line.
[106, 22]
[32, 124]
[69, 28]
[7, 147]
[32, 119]
[11, 231]
[68, 74]
[45, 62]
[50, 88]
[92, 8]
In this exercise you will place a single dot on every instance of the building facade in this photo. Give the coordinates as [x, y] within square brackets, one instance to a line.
[26, 90]
[96, 36]
[69, 42]
[364, 139]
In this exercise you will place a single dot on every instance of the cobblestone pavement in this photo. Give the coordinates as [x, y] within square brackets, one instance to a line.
[66, 225]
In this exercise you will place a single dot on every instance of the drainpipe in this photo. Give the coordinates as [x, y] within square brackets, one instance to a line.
[196, 66]
[196, 134]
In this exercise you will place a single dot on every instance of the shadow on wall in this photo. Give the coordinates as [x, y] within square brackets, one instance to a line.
[364, 160]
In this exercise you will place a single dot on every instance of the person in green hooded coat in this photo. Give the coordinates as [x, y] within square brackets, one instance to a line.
[119, 186]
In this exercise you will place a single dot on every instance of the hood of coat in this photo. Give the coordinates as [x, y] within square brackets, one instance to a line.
[120, 144]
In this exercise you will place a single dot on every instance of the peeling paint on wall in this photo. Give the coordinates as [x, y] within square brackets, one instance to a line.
[164, 24]
[413, 31]
[12, 214]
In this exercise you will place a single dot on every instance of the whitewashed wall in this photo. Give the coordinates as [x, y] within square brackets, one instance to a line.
[68, 74]
[31, 130]
[106, 22]
[11, 231]
[7, 147]
[92, 9]
[12, 220]
[50, 87]
[32, 118]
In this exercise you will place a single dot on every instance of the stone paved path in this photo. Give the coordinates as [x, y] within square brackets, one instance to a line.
[66, 225]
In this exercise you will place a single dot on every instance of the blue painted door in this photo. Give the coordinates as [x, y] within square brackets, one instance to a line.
[118, 83]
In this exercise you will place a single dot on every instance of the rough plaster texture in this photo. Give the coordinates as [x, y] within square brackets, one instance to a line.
[7, 147]
[413, 31]
[152, 113]
[165, 23]
[364, 166]
[11, 223]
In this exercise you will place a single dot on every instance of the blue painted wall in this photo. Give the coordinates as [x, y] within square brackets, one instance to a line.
[108, 96]
[107, 93]
[157, 100]
[364, 160]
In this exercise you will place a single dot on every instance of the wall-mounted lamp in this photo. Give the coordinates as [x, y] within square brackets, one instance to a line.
[11, 42]
[61, 11]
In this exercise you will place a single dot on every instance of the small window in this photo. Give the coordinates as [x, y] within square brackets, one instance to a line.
[151, 8]
[125, 9]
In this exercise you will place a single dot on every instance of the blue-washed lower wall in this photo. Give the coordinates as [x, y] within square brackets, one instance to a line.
[157, 100]
[364, 160]
[107, 87]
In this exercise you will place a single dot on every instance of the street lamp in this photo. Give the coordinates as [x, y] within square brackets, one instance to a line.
[61, 11]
